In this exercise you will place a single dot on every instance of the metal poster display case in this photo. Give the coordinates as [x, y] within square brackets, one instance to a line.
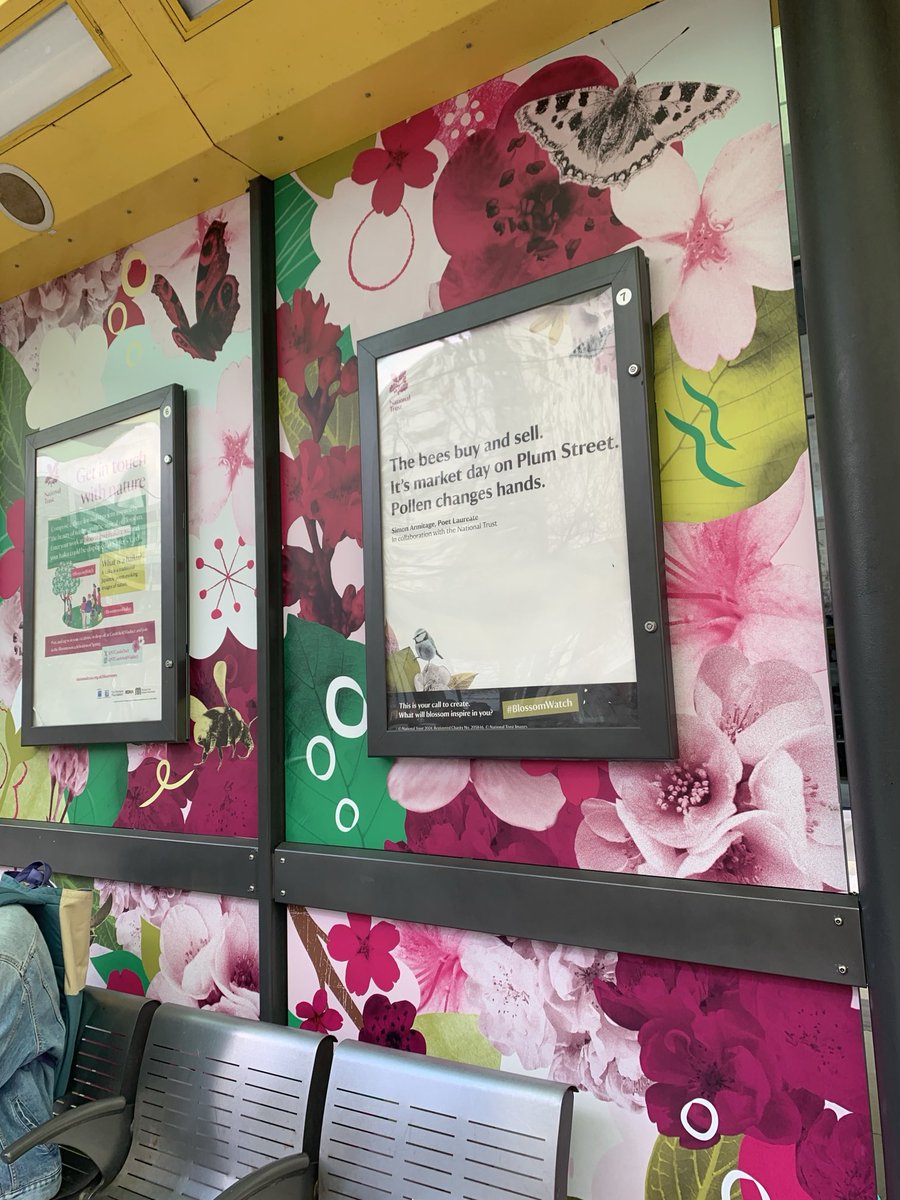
[105, 619]
[513, 545]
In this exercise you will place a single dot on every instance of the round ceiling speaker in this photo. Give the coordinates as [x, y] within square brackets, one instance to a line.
[23, 200]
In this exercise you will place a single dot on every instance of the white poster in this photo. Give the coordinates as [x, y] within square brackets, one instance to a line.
[97, 577]
[503, 515]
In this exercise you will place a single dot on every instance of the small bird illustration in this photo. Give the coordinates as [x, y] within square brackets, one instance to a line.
[426, 650]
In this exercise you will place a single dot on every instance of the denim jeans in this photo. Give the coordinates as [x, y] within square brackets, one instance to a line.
[32, 1036]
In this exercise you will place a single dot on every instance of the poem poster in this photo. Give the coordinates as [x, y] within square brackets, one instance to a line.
[97, 576]
[506, 585]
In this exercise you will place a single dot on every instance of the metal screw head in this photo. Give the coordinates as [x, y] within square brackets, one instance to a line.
[167, 458]
[169, 663]
[650, 626]
[842, 970]
[838, 920]
[282, 861]
[251, 888]
[252, 857]
[167, 411]
[283, 892]
[633, 369]
[623, 296]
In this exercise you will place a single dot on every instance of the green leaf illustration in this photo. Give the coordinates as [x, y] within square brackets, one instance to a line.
[315, 656]
[456, 1036]
[402, 669]
[104, 793]
[341, 428]
[294, 255]
[105, 935]
[120, 960]
[674, 1173]
[14, 389]
[748, 418]
[150, 948]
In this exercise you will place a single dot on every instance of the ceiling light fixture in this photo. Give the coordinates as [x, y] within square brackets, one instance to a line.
[50, 61]
[23, 200]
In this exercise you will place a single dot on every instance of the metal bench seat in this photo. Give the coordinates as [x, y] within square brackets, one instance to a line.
[217, 1098]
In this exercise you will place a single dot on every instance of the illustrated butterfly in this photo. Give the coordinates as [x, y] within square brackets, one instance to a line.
[602, 135]
[216, 299]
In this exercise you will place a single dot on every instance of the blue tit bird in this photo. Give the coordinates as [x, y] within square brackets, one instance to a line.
[426, 650]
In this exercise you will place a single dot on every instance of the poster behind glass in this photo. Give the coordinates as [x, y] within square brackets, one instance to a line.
[506, 582]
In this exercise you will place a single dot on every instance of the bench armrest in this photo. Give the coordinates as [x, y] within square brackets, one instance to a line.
[272, 1182]
[101, 1129]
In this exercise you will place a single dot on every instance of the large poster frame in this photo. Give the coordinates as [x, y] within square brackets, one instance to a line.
[172, 725]
[652, 735]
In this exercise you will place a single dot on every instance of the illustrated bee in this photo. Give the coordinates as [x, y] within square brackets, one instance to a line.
[218, 728]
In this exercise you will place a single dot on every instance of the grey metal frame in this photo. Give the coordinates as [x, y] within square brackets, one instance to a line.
[173, 723]
[654, 736]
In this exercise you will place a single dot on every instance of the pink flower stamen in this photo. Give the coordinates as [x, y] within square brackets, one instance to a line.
[739, 863]
[234, 452]
[705, 242]
[682, 787]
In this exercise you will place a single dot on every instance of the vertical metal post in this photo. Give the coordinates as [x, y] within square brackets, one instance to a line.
[843, 94]
[269, 730]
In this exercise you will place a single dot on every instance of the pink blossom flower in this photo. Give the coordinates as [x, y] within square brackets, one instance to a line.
[724, 588]
[401, 161]
[422, 785]
[602, 843]
[68, 766]
[757, 706]
[432, 954]
[10, 648]
[578, 780]
[13, 326]
[366, 949]
[751, 848]
[317, 1015]
[209, 956]
[668, 807]
[504, 988]
[78, 298]
[710, 249]
[220, 454]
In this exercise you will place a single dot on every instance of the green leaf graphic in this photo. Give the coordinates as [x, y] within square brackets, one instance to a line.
[294, 255]
[674, 1173]
[456, 1036]
[757, 403]
[150, 948]
[322, 175]
[341, 428]
[104, 793]
[105, 935]
[14, 389]
[315, 656]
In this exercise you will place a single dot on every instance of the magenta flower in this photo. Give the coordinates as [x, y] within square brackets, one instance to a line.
[366, 949]
[675, 806]
[12, 563]
[125, 981]
[10, 648]
[578, 780]
[756, 707]
[401, 161]
[835, 1159]
[423, 785]
[724, 587]
[710, 249]
[317, 1015]
[387, 1024]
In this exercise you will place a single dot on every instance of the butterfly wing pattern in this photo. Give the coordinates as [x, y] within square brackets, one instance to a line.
[216, 299]
[599, 135]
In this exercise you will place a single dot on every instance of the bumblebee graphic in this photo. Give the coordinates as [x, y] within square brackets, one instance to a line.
[218, 728]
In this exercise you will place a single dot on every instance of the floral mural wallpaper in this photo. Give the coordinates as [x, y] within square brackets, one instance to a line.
[99, 335]
[693, 1081]
[112, 330]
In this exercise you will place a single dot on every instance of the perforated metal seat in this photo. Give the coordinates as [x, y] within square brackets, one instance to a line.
[405, 1127]
[112, 1032]
[217, 1099]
